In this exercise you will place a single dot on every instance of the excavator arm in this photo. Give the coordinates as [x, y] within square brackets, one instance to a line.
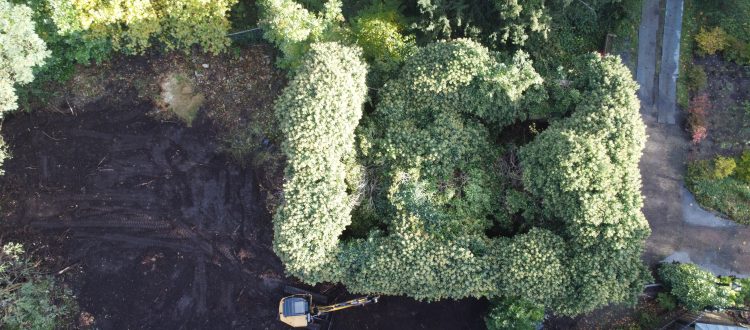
[346, 304]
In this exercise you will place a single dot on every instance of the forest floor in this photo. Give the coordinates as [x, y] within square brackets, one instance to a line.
[152, 223]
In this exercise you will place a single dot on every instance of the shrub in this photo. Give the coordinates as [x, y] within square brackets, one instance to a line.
[743, 167]
[3, 154]
[728, 196]
[738, 51]
[694, 287]
[20, 51]
[513, 313]
[697, 117]
[29, 299]
[723, 167]
[666, 301]
[132, 25]
[696, 78]
[712, 41]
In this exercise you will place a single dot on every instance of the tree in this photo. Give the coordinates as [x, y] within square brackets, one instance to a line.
[584, 170]
[496, 22]
[20, 51]
[293, 28]
[317, 113]
[379, 29]
[131, 25]
[431, 140]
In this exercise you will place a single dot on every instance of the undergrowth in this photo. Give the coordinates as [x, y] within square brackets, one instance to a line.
[30, 299]
[719, 189]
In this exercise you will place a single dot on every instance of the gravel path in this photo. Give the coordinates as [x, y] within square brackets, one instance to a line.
[680, 230]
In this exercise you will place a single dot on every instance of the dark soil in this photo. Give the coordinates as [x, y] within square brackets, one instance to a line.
[160, 228]
[728, 89]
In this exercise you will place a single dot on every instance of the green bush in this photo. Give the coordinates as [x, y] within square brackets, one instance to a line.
[21, 50]
[738, 51]
[712, 41]
[723, 167]
[29, 299]
[4, 154]
[696, 79]
[513, 313]
[132, 25]
[743, 167]
[694, 287]
[666, 301]
[729, 195]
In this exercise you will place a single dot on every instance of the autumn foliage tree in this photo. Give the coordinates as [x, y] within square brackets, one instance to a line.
[133, 25]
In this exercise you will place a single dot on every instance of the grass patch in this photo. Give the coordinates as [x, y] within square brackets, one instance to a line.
[729, 196]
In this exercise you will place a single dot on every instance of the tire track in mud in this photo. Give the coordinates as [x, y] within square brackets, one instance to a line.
[169, 234]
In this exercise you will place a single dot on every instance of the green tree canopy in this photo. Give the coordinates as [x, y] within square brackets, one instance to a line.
[432, 140]
[20, 51]
[317, 112]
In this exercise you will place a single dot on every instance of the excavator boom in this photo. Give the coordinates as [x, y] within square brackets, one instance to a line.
[346, 304]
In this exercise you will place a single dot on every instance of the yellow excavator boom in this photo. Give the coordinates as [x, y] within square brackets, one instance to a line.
[347, 304]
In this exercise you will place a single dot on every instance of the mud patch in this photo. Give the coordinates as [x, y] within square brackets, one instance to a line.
[168, 233]
[178, 96]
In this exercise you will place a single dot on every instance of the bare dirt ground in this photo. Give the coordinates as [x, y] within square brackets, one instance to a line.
[161, 229]
[728, 89]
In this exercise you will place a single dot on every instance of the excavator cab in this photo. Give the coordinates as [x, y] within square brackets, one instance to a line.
[299, 310]
[295, 310]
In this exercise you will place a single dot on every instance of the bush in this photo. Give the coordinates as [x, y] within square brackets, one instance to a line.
[697, 117]
[29, 299]
[728, 196]
[694, 287]
[132, 25]
[723, 167]
[712, 41]
[743, 167]
[666, 301]
[513, 313]
[738, 51]
[696, 78]
[20, 51]
[3, 154]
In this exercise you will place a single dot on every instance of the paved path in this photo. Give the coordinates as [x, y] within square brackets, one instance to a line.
[646, 69]
[670, 61]
[680, 230]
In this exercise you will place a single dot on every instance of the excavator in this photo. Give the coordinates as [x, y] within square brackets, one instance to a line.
[299, 310]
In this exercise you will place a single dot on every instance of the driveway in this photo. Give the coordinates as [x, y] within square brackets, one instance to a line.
[681, 230]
